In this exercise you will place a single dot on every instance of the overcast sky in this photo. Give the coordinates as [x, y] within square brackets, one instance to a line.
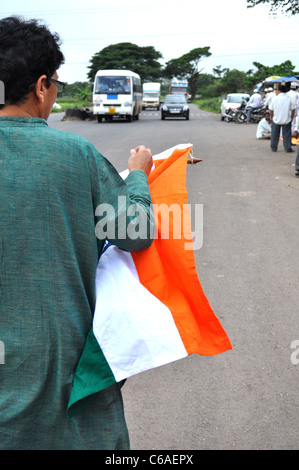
[237, 36]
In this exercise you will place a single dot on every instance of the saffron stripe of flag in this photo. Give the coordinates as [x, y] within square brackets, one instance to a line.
[150, 307]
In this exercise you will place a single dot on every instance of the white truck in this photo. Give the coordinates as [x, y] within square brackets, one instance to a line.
[151, 95]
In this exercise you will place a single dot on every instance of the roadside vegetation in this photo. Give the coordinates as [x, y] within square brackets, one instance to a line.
[209, 104]
[75, 95]
[70, 103]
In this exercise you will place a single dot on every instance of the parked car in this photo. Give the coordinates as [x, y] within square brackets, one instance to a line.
[232, 101]
[175, 106]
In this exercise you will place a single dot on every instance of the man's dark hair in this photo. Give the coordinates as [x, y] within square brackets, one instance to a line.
[27, 51]
[282, 88]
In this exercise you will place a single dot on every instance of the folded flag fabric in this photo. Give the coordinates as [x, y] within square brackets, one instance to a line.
[294, 140]
[150, 309]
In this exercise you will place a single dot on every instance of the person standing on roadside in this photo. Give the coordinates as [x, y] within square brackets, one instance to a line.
[282, 113]
[52, 182]
[269, 97]
[294, 95]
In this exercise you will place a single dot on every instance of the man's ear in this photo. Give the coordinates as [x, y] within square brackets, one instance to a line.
[40, 87]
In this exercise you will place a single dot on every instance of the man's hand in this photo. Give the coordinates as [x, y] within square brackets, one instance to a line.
[141, 159]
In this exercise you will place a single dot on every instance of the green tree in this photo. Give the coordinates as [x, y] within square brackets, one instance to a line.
[206, 85]
[125, 55]
[263, 71]
[71, 89]
[84, 94]
[290, 7]
[233, 81]
[186, 67]
[218, 71]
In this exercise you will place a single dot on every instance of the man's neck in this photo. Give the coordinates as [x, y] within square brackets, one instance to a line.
[18, 110]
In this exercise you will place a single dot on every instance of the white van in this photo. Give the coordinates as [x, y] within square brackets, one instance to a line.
[117, 93]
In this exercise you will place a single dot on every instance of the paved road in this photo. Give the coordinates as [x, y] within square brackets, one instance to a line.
[248, 266]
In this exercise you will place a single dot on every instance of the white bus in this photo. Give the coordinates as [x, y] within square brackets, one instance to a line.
[117, 93]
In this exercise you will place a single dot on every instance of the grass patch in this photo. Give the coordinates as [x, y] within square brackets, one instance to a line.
[70, 103]
[209, 104]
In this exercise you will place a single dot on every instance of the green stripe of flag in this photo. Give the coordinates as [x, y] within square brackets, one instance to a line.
[93, 374]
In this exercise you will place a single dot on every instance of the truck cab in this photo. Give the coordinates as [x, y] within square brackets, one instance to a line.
[151, 95]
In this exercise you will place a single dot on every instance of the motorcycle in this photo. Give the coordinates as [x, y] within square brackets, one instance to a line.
[230, 115]
[256, 115]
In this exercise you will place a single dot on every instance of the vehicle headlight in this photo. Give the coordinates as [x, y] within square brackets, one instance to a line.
[128, 103]
[164, 107]
[186, 108]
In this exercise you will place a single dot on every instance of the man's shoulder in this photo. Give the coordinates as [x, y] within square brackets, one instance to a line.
[68, 139]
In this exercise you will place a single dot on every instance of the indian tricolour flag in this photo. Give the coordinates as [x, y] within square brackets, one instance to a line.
[150, 306]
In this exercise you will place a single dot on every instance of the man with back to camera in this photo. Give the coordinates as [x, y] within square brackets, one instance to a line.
[282, 113]
[52, 182]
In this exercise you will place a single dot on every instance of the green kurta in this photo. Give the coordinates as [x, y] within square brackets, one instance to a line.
[51, 184]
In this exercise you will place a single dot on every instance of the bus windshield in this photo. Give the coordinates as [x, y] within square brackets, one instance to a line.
[115, 85]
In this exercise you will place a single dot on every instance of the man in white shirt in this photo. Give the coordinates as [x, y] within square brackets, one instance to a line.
[282, 113]
[253, 103]
[269, 96]
[264, 128]
[294, 95]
